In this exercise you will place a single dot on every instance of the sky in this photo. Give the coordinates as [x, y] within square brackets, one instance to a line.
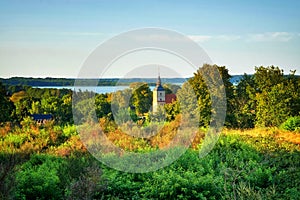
[53, 38]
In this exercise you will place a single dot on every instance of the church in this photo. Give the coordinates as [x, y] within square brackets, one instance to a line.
[160, 97]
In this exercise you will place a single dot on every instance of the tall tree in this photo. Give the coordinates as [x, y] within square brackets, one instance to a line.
[121, 99]
[208, 83]
[277, 96]
[266, 77]
[245, 103]
[172, 110]
[230, 120]
[199, 87]
[293, 88]
[273, 106]
[66, 110]
[23, 107]
[6, 106]
[103, 107]
[141, 98]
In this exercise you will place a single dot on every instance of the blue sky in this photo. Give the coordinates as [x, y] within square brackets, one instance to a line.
[52, 38]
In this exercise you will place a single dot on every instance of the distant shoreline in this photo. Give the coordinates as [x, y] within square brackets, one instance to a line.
[45, 82]
[55, 82]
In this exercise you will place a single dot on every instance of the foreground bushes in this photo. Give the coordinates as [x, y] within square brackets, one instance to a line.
[48, 177]
[39, 179]
[253, 164]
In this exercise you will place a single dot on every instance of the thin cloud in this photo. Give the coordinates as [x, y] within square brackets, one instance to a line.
[228, 37]
[272, 37]
[158, 38]
[259, 37]
[80, 33]
[200, 38]
[205, 38]
[68, 33]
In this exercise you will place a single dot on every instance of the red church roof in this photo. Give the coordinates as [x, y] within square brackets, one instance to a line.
[170, 98]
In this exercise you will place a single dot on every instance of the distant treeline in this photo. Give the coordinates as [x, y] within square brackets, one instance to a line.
[42, 82]
[35, 82]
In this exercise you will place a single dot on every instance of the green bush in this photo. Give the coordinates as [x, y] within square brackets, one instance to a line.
[291, 124]
[39, 179]
[69, 131]
[16, 140]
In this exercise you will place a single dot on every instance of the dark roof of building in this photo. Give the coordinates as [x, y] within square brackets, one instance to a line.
[159, 87]
[42, 117]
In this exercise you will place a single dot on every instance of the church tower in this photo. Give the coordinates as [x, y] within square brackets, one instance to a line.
[159, 95]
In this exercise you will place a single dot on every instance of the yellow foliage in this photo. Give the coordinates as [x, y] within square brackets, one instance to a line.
[17, 96]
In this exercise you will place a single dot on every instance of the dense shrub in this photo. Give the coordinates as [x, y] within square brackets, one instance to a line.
[8, 166]
[38, 178]
[291, 124]
[49, 177]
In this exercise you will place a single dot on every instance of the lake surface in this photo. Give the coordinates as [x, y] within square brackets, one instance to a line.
[97, 89]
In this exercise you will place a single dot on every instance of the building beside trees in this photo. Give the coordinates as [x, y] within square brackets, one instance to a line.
[42, 118]
[160, 97]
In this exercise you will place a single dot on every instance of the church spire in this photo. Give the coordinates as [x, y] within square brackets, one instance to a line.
[159, 94]
[158, 82]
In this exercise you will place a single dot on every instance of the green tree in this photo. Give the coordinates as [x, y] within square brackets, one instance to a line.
[293, 88]
[6, 106]
[84, 111]
[124, 115]
[103, 107]
[230, 120]
[244, 102]
[66, 114]
[200, 88]
[277, 96]
[204, 77]
[273, 106]
[120, 100]
[187, 100]
[39, 178]
[36, 107]
[266, 77]
[23, 107]
[50, 104]
[141, 98]
[172, 110]
[60, 108]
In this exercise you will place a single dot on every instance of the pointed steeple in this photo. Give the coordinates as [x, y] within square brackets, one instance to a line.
[158, 87]
[158, 82]
[159, 95]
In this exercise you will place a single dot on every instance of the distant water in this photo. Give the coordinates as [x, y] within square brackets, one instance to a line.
[97, 89]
